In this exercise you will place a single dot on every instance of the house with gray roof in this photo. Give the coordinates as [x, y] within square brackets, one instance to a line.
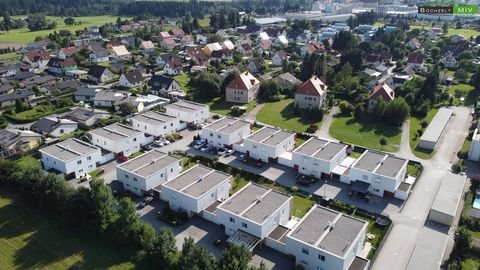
[267, 144]
[87, 117]
[327, 239]
[196, 189]
[73, 158]
[226, 131]
[156, 123]
[379, 174]
[118, 139]
[142, 174]
[53, 126]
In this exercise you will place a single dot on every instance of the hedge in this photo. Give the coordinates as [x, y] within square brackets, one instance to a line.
[32, 119]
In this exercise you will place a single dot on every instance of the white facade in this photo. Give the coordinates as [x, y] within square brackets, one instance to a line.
[143, 173]
[226, 131]
[188, 112]
[474, 152]
[326, 239]
[318, 157]
[155, 123]
[196, 189]
[71, 157]
[383, 172]
[118, 138]
[254, 209]
[123, 81]
[267, 144]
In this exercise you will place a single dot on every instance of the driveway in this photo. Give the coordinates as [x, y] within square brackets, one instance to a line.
[205, 233]
[409, 223]
[323, 132]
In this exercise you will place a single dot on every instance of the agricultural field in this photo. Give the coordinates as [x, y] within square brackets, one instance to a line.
[19, 37]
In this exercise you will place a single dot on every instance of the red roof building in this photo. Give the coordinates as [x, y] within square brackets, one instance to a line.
[311, 94]
[378, 91]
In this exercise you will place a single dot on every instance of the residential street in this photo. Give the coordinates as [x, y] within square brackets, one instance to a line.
[408, 225]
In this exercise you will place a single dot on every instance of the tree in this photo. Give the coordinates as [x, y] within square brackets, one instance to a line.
[38, 22]
[19, 105]
[269, 91]
[430, 85]
[103, 204]
[397, 111]
[164, 250]
[476, 80]
[435, 53]
[445, 28]
[194, 257]
[459, 25]
[69, 21]
[195, 24]
[346, 108]
[127, 108]
[126, 225]
[234, 257]
[359, 110]
[379, 109]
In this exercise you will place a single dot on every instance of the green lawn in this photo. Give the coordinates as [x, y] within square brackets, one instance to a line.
[299, 141]
[281, 114]
[239, 182]
[467, 33]
[8, 56]
[23, 36]
[96, 173]
[366, 133]
[75, 134]
[414, 138]
[31, 241]
[301, 206]
[463, 90]
[37, 112]
[183, 79]
[220, 106]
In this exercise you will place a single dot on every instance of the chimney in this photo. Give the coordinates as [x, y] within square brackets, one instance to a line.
[252, 81]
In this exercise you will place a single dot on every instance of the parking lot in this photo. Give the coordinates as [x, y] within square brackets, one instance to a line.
[205, 233]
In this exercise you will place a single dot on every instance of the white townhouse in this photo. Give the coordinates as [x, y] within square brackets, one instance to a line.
[117, 138]
[378, 173]
[327, 239]
[155, 123]
[255, 210]
[72, 157]
[196, 189]
[318, 157]
[226, 131]
[267, 144]
[188, 111]
[144, 173]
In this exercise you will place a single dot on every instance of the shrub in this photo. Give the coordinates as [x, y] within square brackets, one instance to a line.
[294, 189]
[346, 108]
[424, 123]
[383, 141]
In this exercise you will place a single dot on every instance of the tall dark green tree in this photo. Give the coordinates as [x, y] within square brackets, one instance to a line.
[164, 250]
[234, 257]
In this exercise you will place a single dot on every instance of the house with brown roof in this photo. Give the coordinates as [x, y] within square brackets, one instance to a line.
[163, 35]
[378, 58]
[381, 90]
[416, 61]
[168, 44]
[61, 66]
[147, 46]
[311, 94]
[187, 40]
[131, 79]
[242, 89]
[177, 32]
[67, 52]
[197, 54]
[36, 58]
[279, 58]
[244, 49]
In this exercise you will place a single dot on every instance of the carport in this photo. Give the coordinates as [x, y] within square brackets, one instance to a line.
[360, 188]
[244, 239]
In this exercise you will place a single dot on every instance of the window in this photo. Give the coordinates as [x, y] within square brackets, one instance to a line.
[305, 251]
[62, 131]
[126, 176]
[134, 139]
[219, 136]
[79, 162]
[244, 225]
[321, 258]
[365, 177]
[304, 262]
[254, 146]
[134, 179]
[164, 127]
[211, 195]
[211, 134]
[171, 170]
[232, 220]
[89, 158]
[161, 175]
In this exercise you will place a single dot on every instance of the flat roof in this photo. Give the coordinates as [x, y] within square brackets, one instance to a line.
[154, 118]
[227, 125]
[197, 180]
[255, 202]
[69, 149]
[449, 194]
[368, 161]
[437, 125]
[328, 230]
[311, 146]
[115, 132]
[186, 106]
[149, 163]
[270, 136]
[390, 166]
[320, 148]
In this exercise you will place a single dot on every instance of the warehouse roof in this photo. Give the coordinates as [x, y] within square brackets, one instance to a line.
[449, 194]
[437, 125]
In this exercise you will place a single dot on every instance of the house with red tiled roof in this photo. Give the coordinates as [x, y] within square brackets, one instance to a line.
[416, 61]
[168, 44]
[177, 32]
[173, 68]
[311, 94]
[162, 35]
[67, 52]
[36, 58]
[242, 89]
[381, 90]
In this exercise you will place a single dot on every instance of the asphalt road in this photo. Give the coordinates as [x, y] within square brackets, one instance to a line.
[409, 223]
